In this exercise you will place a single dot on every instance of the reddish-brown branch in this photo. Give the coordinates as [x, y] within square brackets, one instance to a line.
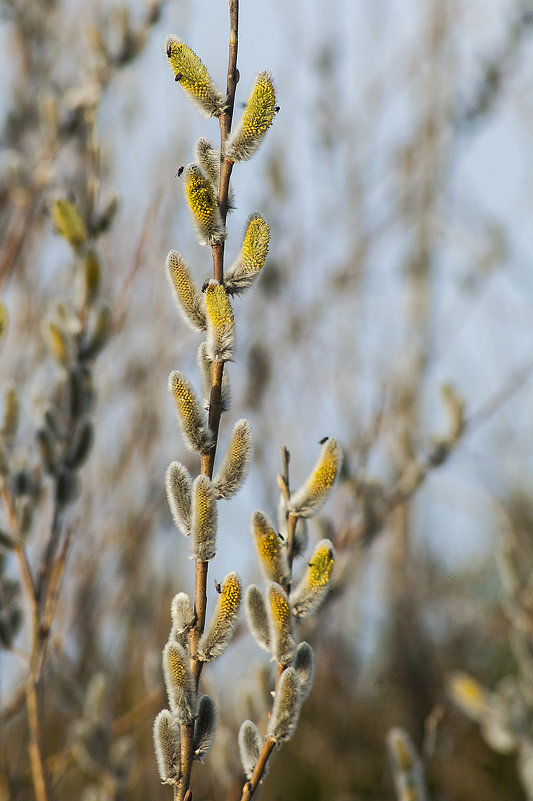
[251, 786]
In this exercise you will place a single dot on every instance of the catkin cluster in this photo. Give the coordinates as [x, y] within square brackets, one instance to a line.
[193, 501]
[272, 615]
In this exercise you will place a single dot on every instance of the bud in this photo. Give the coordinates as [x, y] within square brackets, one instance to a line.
[190, 416]
[182, 612]
[204, 727]
[208, 157]
[310, 497]
[304, 665]
[220, 628]
[167, 746]
[250, 744]
[234, 468]
[89, 282]
[204, 366]
[313, 587]
[187, 296]
[270, 550]
[194, 78]
[204, 519]
[406, 767]
[179, 682]
[251, 259]
[69, 222]
[280, 616]
[257, 617]
[256, 119]
[10, 420]
[178, 484]
[221, 324]
[203, 207]
[286, 708]
[58, 343]
[99, 336]
[81, 445]
[470, 696]
[47, 449]
[4, 319]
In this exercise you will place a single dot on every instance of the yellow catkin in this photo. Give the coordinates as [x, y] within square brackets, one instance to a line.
[230, 597]
[270, 550]
[255, 243]
[321, 567]
[188, 298]
[221, 323]
[469, 695]
[190, 415]
[203, 207]
[312, 588]
[310, 497]
[194, 78]
[179, 682]
[204, 520]
[221, 626]
[281, 637]
[255, 121]
[69, 222]
[252, 256]
[177, 670]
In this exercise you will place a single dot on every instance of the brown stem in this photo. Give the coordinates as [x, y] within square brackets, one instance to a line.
[251, 785]
[35, 738]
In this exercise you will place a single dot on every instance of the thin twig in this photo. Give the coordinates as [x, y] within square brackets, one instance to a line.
[251, 786]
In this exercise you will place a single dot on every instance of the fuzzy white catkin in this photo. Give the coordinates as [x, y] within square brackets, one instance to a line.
[286, 708]
[257, 617]
[234, 468]
[178, 485]
[250, 744]
[304, 665]
[204, 727]
[182, 612]
[167, 745]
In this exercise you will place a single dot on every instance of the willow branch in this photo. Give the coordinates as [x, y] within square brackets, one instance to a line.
[215, 410]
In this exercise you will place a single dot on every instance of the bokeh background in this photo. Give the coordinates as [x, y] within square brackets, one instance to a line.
[398, 183]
